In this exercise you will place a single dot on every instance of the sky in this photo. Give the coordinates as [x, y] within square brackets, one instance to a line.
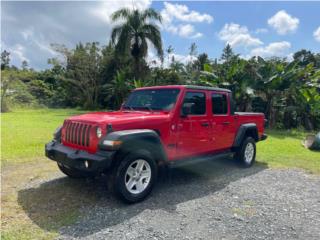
[266, 29]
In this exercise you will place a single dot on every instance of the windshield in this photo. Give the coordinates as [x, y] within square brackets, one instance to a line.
[152, 99]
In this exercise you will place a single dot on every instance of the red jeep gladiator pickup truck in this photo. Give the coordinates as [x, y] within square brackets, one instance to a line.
[166, 125]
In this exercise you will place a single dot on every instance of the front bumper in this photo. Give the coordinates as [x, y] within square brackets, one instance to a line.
[73, 158]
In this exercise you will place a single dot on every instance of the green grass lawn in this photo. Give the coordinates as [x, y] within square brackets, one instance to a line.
[24, 133]
[283, 149]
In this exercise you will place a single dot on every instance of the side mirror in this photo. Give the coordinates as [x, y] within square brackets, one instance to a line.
[186, 109]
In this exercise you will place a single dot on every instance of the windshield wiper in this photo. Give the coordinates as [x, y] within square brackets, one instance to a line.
[131, 108]
[149, 108]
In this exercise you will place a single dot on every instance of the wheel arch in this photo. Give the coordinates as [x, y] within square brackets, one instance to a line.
[137, 140]
[246, 130]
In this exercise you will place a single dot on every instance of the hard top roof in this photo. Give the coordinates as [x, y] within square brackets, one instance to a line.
[206, 88]
[188, 87]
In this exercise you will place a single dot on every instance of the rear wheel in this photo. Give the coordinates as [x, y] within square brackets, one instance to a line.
[73, 173]
[134, 176]
[246, 153]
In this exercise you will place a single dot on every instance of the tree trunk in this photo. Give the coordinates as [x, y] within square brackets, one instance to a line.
[307, 123]
[137, 69]
[269, 111]
[4, 105]
[287, 119]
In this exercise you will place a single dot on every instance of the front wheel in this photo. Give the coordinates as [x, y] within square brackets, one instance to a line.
[246, 153]
[134, 177]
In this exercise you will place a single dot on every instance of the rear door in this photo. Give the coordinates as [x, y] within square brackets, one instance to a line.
[223, 124]
[194, 129]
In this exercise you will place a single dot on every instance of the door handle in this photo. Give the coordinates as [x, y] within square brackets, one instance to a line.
[226, 123]
[205, 124]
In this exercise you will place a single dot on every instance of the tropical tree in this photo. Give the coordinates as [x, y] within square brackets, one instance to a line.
[193, 49]
[132, 35]
[82, 73]
[304, 57]
[227, 53]
[5, 59]
[170, 55]
[202, 59]
[14, 87]
[118, 88]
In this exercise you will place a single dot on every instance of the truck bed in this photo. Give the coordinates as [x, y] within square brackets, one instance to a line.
[251, 117]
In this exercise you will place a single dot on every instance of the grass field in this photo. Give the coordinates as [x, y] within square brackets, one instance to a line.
[24, 133]
[283, 149]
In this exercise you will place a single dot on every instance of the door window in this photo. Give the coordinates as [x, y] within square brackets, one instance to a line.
[196, 101]
[219, 104]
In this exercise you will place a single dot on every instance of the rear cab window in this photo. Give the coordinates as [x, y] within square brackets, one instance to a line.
[219, 102]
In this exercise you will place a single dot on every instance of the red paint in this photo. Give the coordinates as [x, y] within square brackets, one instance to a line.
[180, 136]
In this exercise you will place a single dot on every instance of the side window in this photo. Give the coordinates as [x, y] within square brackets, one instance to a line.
[219, 103]
[196, 102]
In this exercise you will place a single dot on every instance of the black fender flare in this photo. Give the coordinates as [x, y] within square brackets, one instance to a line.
[136, 139]
[247, 129]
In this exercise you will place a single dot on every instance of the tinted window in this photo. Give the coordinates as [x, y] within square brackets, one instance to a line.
[152, 99]
[219, 103]
[197, 101]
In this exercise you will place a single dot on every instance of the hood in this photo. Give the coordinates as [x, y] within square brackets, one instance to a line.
[119, 117]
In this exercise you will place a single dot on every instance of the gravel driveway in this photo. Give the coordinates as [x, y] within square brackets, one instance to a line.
[210, 200]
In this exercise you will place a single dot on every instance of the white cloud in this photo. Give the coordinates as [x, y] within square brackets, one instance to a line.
[182, 13]
[316, 34]
[185, 30]
[174, 14]
[290, 57]
[38, 40]
[237, 35]
[18, 51]
[283, 22]
[275, 49]
[35, 26]
[105, 9]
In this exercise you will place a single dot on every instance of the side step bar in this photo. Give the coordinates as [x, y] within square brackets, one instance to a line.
[198, 159]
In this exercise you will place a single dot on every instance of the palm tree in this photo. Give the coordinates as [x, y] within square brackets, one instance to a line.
[132, 35]
[117, 88]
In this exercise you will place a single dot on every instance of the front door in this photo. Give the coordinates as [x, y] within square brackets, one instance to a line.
[194, 128]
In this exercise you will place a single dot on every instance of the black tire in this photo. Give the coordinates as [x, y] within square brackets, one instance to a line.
[118, 178]
[73, 173]
[240, 155]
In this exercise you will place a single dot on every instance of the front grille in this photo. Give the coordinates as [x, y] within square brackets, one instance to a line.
[78, 133]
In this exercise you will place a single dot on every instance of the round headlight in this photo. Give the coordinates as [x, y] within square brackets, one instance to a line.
[99, 132]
